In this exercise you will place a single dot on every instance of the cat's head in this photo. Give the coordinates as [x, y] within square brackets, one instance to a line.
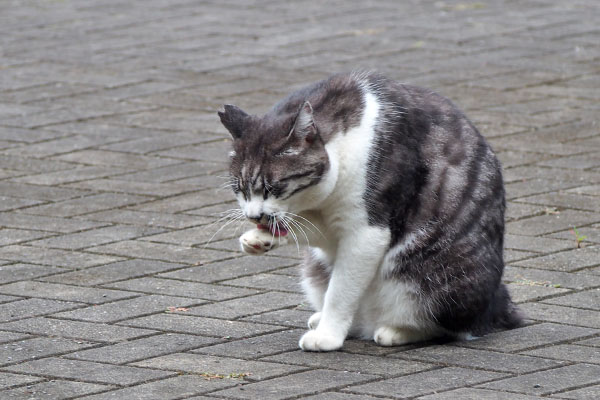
[278, 162]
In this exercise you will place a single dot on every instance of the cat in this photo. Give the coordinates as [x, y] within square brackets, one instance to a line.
[399, 198]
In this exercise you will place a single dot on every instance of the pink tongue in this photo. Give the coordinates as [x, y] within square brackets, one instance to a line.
[275, 230]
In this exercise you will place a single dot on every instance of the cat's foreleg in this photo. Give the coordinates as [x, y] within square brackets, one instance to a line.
[357, 259]
[259, 241]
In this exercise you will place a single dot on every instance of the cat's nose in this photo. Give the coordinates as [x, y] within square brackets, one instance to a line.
[257, 218]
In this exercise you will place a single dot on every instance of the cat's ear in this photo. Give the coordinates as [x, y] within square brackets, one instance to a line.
[304, 126]
[234, 119]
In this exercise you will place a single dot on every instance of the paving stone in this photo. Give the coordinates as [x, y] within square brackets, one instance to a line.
[119, 159]
[302, 383]
[175, 221]
[98, 202]
[165, 389]
[545, 224]
[29, 349]
[425, 382]
[6, 337]
[589, 299]
[564, 200]
[170, 322]
[159, 251]
[223, 270]
[38, 222]
[75, 329]
[351, 362]
[525, 291]
[13, 203]
[569, 352]
[55, 389]
[563, 315]
[587, 393]
[9, 380]
[549, 381]
[64, 176]
[255, 347]
[519, 339]
[15, 236]
[172, 287]
[141, 188]
[56, 291]
[339, 396]
[536, 244]
[134, 350]
[94, 237]
[48, 193]
[204, 364]
[116, 271]
[201, 235]
[124, 309]
[87, 371]
[54, 257]
[570, 260]
[550, 278]
[33, 307]
[480, 359]
[267, 281]
[241, 307]
[17, 272]
[477, 394]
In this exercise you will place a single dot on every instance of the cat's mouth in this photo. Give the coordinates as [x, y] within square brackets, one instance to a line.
[276, 229]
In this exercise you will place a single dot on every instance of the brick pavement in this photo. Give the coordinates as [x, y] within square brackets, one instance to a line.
[111, 155]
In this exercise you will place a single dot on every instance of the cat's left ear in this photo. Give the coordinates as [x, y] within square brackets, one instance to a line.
[304, 126]
[234, 119]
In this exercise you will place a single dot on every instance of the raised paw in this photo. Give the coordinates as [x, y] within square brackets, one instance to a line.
[318, 341]
[313, 321]
[257, 241]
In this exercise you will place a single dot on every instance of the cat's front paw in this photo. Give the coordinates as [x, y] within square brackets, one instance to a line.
[319, 341]
[257, 241]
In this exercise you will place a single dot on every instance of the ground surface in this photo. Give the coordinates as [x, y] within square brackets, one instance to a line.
[111, 153]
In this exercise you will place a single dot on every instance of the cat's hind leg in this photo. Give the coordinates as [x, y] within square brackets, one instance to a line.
[396, 336]
[316, 273]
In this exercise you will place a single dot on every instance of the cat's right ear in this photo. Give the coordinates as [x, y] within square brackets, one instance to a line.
[234, 119]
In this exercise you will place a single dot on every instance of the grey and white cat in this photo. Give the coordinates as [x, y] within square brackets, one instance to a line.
[397, 195]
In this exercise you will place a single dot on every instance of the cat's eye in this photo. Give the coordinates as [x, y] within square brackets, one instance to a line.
[289, 152]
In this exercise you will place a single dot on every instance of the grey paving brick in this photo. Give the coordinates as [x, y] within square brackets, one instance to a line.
[340, 396]
[159, 251]
[294, 318]
[113, 272]
[69, 175]
[563, 315]
[363, 364]
[96, 332]
[45, 290]
[170, 322]
[255, 347]
[87, 371]
[267, 281]
[6, 337]
[477, 394]
[15, 236]
[52, 224]
[529, 336]
[29, 349]
[172, 287]
[113, 158]
[138, 349]
[141, 188]
[17, 272]
[176, 221]
[171, 388]
[13, 203]
[197, 235]
[536, 244]
[33, 307]
[549, 381]
[8, 380]
[124, 309]
[480, 359]
[545, 224]
[569, 260]
[49, 193]
[524, 291]
[223, 270]
[550, 278]
[98, 202]
[589, 299]
[54, 257]
[569, 352]
[55, 389]
[425, 382]
[586, 393]
[204, 364]
[302, 383]
[95, 237]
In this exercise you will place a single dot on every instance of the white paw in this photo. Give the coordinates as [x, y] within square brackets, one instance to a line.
[313, 321]
[257, 241]
[318, 341]
[387, 336]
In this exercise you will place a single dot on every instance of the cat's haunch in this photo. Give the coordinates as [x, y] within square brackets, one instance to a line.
[399, 199]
